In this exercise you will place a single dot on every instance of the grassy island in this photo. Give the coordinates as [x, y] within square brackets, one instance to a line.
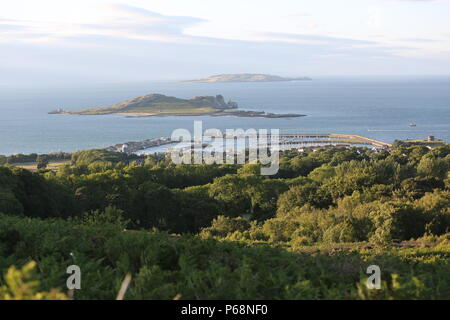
[245, 77]
[161, 105]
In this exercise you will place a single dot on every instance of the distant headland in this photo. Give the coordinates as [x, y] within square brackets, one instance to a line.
[161, 105]
[244, 77]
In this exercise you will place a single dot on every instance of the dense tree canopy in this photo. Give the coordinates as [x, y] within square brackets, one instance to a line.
[387, 190]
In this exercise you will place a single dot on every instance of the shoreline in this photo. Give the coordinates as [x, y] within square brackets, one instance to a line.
[238, 113]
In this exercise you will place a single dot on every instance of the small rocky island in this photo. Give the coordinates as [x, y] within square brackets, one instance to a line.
[245, 77]
[162, 105]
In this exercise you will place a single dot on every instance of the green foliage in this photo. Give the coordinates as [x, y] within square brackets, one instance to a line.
[300, 195]
[19, 285]
[42, 161]
[87, 157]
[24, 192]
[110, 216]
[222, 226]
[227, 219]
[433, 167]
[163, 266]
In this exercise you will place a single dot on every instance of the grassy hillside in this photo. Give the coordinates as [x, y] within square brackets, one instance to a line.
[158, 104]
[161, 105]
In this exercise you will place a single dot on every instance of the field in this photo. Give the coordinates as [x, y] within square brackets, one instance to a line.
[52, 165]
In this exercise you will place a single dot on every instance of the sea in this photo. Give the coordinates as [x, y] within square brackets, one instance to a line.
[377, 107]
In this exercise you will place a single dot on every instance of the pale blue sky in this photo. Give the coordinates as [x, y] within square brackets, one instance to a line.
[111, 41]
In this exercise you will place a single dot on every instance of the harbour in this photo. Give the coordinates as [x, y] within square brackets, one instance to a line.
[242, 142]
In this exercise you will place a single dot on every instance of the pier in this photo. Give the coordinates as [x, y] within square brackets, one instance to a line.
[320, 139]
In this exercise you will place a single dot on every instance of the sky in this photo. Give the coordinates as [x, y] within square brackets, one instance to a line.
[102, 41]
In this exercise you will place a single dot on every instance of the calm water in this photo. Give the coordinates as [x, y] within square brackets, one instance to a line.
[377, 108]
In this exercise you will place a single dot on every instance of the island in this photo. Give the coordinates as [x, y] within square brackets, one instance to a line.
[244, 77]
[161, 105]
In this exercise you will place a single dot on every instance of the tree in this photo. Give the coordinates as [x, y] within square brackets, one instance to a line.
[222, 226]
[436, 206]
[232, 191]
[9, 203]
[433, 167]
[41, 162]
[394, 221]
[152, 206]
[110, 216]
[195, 209]
[298, 196]
[415, 188]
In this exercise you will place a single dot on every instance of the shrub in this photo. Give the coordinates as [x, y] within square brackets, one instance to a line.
[222, 226]
[20, 285]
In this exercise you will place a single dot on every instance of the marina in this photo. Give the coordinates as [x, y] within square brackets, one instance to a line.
[241, 142]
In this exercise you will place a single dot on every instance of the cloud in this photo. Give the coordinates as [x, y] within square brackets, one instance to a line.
[124, 21]
[133, 44]
[141, 23]
[297, 15]
[9, 25]
[314, 39]
[418, 39]
[4, 27]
